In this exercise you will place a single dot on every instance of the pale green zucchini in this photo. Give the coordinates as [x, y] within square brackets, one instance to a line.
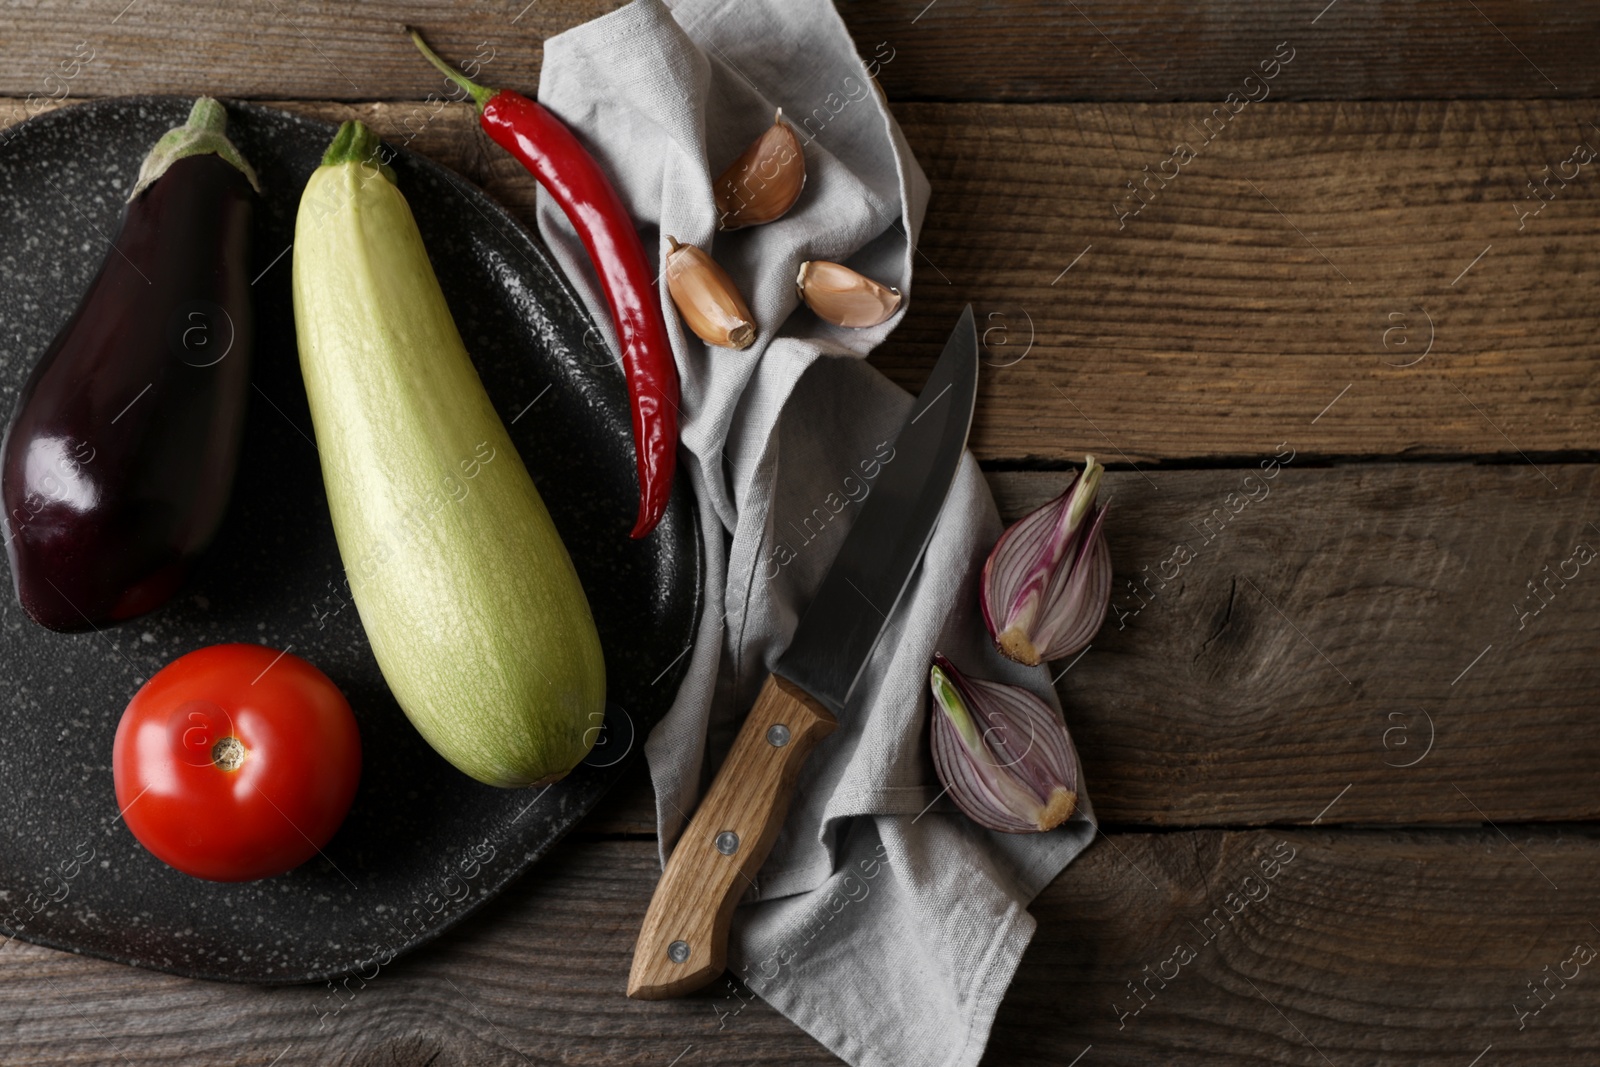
[470, 601]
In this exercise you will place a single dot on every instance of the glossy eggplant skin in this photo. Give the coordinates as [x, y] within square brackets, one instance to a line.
[116, 466]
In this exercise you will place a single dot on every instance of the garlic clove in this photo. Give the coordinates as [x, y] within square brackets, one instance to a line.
[764, 182]
[1003, 755]
[1047, 582]
[841, 296]
[707, 298]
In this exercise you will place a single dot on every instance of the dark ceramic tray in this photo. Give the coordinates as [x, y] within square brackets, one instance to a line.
[424, 845]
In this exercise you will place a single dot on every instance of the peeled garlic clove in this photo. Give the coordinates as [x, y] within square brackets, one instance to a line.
[707, 298]
[841, 296]
[764, 181]
[1047, 582]
[1002, 753]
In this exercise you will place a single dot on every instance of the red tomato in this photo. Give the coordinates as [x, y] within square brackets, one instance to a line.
[236, 762]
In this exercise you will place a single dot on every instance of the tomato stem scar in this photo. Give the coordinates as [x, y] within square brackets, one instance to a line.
[228, 754]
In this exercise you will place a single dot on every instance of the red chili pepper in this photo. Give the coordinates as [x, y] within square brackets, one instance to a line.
[544, 145]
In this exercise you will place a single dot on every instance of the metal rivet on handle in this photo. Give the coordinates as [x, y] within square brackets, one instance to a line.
[727, 842]
[678, 951]
[777, 735]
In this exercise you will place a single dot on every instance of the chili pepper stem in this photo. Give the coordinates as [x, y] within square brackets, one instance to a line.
[480, 93]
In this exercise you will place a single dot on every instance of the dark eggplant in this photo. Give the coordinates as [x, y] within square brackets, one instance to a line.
[116, 466]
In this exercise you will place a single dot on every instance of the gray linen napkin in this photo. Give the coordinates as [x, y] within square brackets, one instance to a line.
[887, 928]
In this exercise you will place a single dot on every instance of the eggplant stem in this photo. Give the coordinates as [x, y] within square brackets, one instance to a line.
[207, 116]
[204, 133]
[481, 94]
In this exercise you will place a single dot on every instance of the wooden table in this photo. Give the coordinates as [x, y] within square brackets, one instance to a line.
[1375, 669]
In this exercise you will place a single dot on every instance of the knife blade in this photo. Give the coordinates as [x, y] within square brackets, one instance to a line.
[684, 939]
[841, 625]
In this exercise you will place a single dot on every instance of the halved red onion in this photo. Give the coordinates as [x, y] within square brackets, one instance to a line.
[1047, 583]
[1003, 754]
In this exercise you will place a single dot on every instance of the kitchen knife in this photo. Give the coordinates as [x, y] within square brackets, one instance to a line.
[684, 942]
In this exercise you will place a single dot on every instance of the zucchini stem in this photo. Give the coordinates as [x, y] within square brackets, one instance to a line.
[356, 143]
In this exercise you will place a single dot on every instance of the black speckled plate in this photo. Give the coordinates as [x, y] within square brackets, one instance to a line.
[423, 845]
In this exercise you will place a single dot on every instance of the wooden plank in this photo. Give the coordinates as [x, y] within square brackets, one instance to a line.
[1296, 261]
[1108, 50]
[1362, 946]
[1349, 645]
[1365, 948]
[321, 49]
[538, 977]
[1349, 276]
[1017, 50]
[1343, 646]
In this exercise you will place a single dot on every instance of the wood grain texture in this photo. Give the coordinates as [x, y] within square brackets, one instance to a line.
[323, 49]
[1313, 274]
[1036, 50]
[721, 851]
[1377, 947]
[1355, 644]
[1381, 948]
[1317, 639]
[998, 50]
[1305, 250]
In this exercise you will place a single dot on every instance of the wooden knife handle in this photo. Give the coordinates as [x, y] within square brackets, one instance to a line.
[684, 942]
